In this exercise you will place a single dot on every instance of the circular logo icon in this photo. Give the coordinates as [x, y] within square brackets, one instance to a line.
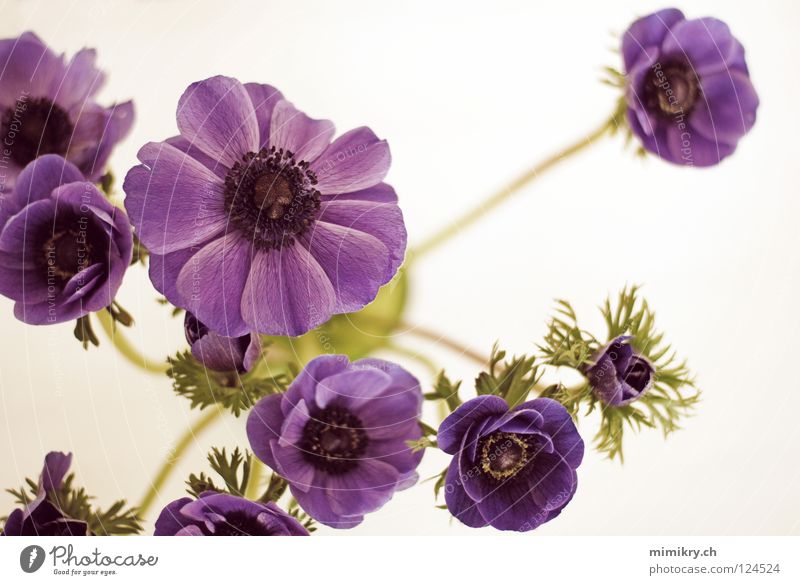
[31, 558]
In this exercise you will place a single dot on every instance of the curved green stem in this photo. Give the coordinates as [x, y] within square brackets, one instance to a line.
[436, 337]
[125, 348]
[175, 455]
[510, 189]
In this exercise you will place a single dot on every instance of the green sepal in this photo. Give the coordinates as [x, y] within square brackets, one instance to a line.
[75, 503]
[234, 391]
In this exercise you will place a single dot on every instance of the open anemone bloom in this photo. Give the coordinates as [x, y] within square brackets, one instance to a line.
[620, 375]
[512, 469]
[689, 94]
[215, 514]
[339, 436]
[220, 353]
[47, 106]
[256, 221]
[63, 247]
[43, 517]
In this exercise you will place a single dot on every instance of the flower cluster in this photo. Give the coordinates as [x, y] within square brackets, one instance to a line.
[257, 221]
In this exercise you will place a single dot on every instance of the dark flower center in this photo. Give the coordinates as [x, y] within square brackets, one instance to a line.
[34, 128]
[238, 524]
[671, 89]
[638, 374]
[68, 250]
[271, 197]
[503, 455]
[333, 440]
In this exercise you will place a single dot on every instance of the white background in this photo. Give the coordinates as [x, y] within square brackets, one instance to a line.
[469, 95]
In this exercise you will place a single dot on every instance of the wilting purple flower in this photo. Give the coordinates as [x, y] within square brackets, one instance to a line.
[256, 221]
[689, 93]
[43, 517]
[63, 247]
[47, 107]
[220, 353]
[214, 514]
[339, 436]
[512, 469]
[619, 375]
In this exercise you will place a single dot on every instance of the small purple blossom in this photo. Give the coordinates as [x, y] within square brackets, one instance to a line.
[512, 469]
[339, 436]
[620, 375]
[220, 353]
[47, 106]
[215, 514]
[256, 221]
[63, 247]
[43, 517]
[689, 94]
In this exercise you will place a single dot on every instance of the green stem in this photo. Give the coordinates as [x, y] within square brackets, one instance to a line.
[251, 491]
[510, 189]
[436, 337]
[432, 368]
[125, 348]
[175, 455]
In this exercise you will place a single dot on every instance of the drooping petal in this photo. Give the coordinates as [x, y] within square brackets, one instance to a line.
[212, 281]
[287, 292]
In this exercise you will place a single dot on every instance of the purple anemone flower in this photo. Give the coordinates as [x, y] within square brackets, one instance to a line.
[220, 353]
[42, 517]
[339, 436]
[512, 469]
[47, 107]
[689, 94]
[619, 375]
[214, 514]
[63, 247]
[256, 221]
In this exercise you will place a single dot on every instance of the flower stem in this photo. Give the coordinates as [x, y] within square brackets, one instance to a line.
[434, 336]
[125, 348]
[251, 490]
[175, 455]
[511, 189]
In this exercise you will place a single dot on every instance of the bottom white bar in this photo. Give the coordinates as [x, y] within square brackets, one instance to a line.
[378, 560]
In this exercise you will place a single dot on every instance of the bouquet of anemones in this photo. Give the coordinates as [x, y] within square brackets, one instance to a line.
[276, 240]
